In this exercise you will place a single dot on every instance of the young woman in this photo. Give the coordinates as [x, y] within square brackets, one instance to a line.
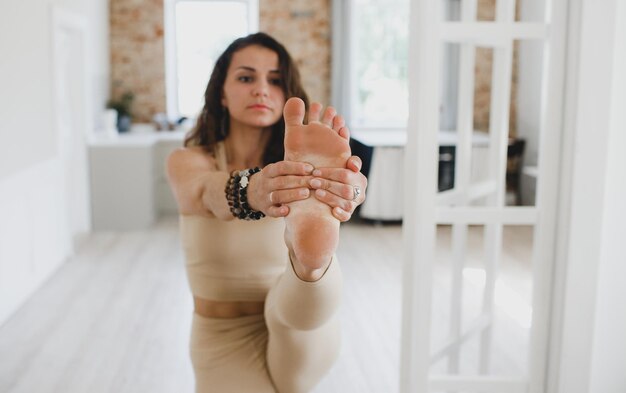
[260, 243]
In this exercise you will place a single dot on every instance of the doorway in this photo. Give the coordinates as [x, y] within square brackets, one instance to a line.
[72, 117]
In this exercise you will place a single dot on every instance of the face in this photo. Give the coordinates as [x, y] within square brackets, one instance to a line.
[252, 91]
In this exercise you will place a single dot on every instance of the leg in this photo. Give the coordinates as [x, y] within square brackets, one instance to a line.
[312, 231]
[300, 309]
[304, 334]
[228, 354]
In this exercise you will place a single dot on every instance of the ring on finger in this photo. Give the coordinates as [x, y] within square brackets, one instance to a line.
[357, 192]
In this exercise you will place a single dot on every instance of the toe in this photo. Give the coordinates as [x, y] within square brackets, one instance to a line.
[315, 110]
[338, 123]
[294, 112]
[329, 115]
[344, 132]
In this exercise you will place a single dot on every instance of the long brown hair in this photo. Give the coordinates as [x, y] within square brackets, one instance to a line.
[213, 123]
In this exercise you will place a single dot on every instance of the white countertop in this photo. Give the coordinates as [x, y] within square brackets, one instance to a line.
[147, 135]
[397, 138]
[139, 135]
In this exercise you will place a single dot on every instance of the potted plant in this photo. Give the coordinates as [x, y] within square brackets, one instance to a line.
[123, 108]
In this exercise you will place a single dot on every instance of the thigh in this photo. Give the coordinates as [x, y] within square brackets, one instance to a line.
[229, 354]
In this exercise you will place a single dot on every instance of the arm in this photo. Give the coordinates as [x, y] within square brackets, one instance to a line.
[198, 185]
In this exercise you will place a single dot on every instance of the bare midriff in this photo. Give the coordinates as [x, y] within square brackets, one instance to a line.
[216, 309]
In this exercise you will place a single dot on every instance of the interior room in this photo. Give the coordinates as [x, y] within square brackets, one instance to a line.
[483, 253]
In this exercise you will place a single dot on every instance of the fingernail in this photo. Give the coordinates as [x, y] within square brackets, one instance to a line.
[304, 192]
[356, 164]
[320, 193]
[316, 183]
[317, 172]
[308, 168]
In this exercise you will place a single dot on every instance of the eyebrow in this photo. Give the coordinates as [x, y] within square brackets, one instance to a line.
[246, 68]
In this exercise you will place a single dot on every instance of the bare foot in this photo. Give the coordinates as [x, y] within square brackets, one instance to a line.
[312, 232]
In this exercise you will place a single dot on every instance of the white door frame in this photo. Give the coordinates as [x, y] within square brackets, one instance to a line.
[72, 145]
[580, 327]
[427, 33]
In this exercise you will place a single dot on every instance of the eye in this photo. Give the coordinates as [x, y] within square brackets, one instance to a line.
[244, 78]
[275, 81]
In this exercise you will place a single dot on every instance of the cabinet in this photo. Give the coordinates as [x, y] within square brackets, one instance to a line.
[382, 152]
[129, 188]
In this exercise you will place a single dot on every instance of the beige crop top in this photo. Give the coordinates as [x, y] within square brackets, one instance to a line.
[232, 260]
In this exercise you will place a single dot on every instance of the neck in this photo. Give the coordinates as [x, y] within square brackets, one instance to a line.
[245, 145]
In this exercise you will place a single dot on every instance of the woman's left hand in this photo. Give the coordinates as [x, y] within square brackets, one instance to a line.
[337, 187]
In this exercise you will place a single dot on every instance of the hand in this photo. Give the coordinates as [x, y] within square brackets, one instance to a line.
[278, 184]
[334, 187]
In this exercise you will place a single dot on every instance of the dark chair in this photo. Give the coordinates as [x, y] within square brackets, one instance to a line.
[515, 160]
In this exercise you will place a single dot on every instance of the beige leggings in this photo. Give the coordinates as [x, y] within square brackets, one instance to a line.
[286, 350]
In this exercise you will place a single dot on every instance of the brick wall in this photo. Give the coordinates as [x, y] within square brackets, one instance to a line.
[138, 55]
[137, 47]
[303, 26]
[483, 72]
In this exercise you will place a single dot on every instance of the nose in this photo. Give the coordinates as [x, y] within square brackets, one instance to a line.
[261, 89]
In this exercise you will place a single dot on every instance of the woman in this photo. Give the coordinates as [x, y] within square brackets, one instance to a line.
[260, 243]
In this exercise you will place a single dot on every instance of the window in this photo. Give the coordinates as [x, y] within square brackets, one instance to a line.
[196, 33]
[370, 62]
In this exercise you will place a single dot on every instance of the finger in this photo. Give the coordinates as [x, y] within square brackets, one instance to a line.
[340, 175]
[335, 202]
[285, 196]
[277, 211]
[314, 112]
[341, 214]
[338, 123]
[329, 115]
[283, 168]
[345, 176]
[289, 182]
[294, 112]
[342, 190]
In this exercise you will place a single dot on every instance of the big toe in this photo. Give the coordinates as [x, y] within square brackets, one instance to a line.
[294, 112]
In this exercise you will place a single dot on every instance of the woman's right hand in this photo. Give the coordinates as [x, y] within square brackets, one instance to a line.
[278, 184]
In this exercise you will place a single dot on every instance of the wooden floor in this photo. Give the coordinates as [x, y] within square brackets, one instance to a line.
[116, 317]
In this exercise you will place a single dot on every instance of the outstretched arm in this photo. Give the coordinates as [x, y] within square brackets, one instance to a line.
[198, 185]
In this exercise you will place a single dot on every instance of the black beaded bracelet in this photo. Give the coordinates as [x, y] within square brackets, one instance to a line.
[237, 195]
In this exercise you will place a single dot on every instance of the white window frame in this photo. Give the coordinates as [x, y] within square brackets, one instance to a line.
[343, 74]
[342, 55]
[171, 69]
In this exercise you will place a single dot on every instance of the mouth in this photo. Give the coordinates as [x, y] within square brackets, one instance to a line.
[259, 107]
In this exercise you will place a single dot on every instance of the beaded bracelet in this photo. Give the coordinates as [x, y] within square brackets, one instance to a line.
[237, 195]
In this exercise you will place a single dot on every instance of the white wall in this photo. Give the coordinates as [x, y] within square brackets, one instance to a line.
[35, 237]
[591, 350]
[609, 349]
[26, 135]
[97, 14]
[25, 97]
